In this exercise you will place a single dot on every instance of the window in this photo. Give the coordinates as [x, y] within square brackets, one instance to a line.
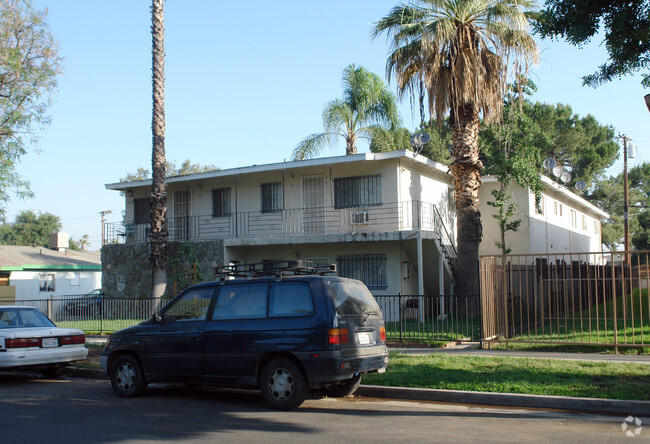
[244, 301]
[46, 282]
[596, 227]
[555, 207]
[221, 202]
[290, 299]
[359, 191]
[367, 268]
[142, 210]
[584, 222]
[539, 210]
[560, 210]
[271, 197]
[574, 219]
[192, 306]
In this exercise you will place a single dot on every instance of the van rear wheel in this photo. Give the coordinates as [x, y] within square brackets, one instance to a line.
[283, 384]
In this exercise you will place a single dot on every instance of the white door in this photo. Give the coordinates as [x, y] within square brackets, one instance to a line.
[181, 228]
[313, 205]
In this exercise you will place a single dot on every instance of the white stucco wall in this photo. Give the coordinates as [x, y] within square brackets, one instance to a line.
[66, 283]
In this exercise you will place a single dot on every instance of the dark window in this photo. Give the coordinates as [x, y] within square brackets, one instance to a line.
[290, 299]
[244, 301]
[142, 210]
[359, 191]
[271, 197]
[221, 202]
[192, 306]
[367, 268]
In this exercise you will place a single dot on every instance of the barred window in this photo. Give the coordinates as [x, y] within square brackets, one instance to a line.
[358, 191]
[142, 210]
[367, 268]
[271, 197]
[221, 202]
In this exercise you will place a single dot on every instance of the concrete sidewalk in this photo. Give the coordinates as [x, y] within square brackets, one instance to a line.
[587, 405]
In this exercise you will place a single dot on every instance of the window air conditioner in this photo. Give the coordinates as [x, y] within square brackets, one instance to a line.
[360, 217]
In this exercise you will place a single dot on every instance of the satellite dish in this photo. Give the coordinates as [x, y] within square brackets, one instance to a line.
[418, 140]
[580, 185]
[557, 171]
[565, 177]
[549, 163]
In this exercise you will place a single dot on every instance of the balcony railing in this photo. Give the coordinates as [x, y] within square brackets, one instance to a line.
[401, 216]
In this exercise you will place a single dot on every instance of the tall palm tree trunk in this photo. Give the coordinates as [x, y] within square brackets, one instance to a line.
[158, 255]
[466, 170]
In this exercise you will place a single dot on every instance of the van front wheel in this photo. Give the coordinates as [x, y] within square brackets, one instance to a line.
[283, 384]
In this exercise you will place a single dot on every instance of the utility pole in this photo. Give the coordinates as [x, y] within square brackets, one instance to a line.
[103, 214]
[626, 198]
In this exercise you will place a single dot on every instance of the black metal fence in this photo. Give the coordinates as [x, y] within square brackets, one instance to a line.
[431, 318]
[94, 313]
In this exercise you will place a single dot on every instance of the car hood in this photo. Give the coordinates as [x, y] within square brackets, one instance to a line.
[30, 332]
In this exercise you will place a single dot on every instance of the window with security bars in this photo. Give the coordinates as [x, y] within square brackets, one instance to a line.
[142, 210]
[221, 202]
[367, 268]
[271, 197]
[357, 191]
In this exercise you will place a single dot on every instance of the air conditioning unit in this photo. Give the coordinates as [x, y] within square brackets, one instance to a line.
[360, 217]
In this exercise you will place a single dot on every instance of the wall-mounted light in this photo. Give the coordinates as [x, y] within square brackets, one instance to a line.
[406, 270]
[129, 192]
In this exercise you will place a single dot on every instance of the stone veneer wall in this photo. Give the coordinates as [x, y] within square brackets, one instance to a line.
[126, 271]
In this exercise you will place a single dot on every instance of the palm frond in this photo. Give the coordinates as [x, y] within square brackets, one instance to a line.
[311, 146]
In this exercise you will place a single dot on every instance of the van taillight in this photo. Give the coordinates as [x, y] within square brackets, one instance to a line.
[338, 336]
[382, 333]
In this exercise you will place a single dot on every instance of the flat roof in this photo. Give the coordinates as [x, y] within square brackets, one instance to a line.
[22, 258]
[407, 155]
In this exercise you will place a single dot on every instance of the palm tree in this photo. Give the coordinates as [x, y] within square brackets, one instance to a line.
[457, 54]
[367, 106]
[158, 255]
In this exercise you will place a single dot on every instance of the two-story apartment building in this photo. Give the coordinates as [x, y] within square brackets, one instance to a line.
[387, 219]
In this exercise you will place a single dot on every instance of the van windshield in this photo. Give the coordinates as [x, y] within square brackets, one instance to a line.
[352, 298]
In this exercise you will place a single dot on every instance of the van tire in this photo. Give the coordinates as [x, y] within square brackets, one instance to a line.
[283, 384]
[127, 377]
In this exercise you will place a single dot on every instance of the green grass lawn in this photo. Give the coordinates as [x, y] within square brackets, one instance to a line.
[95, 326]
[517, 375]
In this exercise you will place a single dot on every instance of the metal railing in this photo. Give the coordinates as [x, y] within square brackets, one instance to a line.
[422, 318]
[399, 216]
[94, 313]
[568, 299]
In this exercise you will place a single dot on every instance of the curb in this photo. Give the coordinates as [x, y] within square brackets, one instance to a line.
[587, 405]
[88, 373]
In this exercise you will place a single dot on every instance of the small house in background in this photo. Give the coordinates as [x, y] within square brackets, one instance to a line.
[31, 273]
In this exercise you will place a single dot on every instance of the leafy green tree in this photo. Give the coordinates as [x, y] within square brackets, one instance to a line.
[627, 33]
[29, 65]
[30, 229]
[457, 53]
[511, 151]
[580, 144]
[366, 107]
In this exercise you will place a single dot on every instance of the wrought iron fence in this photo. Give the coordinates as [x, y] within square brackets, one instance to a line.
[422, 318]
[94, 313]
[570, 299]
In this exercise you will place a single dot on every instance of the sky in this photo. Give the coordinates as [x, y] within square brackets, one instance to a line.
[245, 82]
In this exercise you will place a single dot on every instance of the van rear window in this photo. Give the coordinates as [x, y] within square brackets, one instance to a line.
[352, 298]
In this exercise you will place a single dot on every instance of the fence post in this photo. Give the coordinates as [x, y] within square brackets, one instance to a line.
[614, 303]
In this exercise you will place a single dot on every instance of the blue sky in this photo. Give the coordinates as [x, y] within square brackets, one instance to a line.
[246, 81]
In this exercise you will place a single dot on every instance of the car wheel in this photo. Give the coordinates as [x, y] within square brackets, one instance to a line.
[127, 378]
[344, 388]
[283, 384]
[53, 371]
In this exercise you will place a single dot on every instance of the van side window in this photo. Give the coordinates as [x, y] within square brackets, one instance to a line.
[290, 299]
[192, 306]
[243, 301]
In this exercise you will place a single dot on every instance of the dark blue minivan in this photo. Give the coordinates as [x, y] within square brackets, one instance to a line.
[284, 335]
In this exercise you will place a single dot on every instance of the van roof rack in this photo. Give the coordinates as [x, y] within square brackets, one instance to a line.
[274, 268]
